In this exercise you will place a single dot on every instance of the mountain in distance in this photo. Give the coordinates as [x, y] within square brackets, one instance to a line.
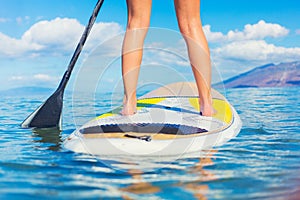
[270, 75]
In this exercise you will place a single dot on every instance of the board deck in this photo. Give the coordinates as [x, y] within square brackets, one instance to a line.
[164, 116]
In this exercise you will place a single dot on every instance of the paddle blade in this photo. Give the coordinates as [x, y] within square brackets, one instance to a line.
[48, 114]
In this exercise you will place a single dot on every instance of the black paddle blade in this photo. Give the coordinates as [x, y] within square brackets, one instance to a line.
[48, 115]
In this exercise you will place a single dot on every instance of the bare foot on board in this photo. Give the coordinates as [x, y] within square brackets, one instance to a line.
[206, 109]
[129, 107]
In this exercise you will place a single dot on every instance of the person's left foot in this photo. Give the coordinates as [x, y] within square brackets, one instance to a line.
[129, 107]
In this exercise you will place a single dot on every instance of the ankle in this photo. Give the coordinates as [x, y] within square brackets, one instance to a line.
[205, 101]
[130, 99]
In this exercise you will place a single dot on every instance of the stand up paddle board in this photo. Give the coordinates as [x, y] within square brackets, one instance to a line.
[167, 123]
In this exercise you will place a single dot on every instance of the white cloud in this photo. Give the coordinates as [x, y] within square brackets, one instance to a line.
[159, 53]
[3, 20]
[298, 31]
[245, 50]
[103, 31]
[213, 36]
[260, 30]
[256, 31]
[44, 77]
[239, 50]
[249, 45]
[21, 20]
[12, 47]
[17, 78]
[239, 56]
[232, 52]
[35, 79]
[55, 35]
[257, 50]
[61, 35]
[236, 48]
[58, 36]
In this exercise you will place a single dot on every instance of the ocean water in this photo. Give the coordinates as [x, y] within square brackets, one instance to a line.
[262, 162]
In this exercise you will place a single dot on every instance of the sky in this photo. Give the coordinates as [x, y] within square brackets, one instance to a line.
[38, 38]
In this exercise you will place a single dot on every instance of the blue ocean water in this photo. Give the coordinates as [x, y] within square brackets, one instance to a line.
[262, 162]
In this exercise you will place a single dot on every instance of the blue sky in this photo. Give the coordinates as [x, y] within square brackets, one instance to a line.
[38, 38]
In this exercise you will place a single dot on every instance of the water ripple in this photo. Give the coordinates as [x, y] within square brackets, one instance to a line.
[261, 163]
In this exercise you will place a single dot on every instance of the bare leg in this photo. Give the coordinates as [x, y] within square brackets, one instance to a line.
[188, 16]
[139, 12]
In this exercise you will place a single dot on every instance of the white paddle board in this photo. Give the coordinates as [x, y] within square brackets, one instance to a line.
[167, 123]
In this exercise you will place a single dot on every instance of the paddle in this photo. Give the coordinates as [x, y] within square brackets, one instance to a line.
[49, 113]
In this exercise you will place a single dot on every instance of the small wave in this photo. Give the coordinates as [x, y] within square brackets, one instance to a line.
[255, 131]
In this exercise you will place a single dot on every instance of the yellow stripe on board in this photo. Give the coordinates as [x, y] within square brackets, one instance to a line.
[150, 101]
[222, 107]
[141, 103]
[105, 115]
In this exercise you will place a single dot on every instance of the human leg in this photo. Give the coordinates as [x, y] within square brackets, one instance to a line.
[190, 25]
[139, 12]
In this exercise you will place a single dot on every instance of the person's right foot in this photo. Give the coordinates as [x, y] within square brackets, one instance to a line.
[206, 109]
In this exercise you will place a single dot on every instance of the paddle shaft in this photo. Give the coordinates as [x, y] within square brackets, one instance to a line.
[80, 45]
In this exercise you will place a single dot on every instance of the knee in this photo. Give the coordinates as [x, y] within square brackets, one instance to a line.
[138, 21]
[189, 27]
[136, 31]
